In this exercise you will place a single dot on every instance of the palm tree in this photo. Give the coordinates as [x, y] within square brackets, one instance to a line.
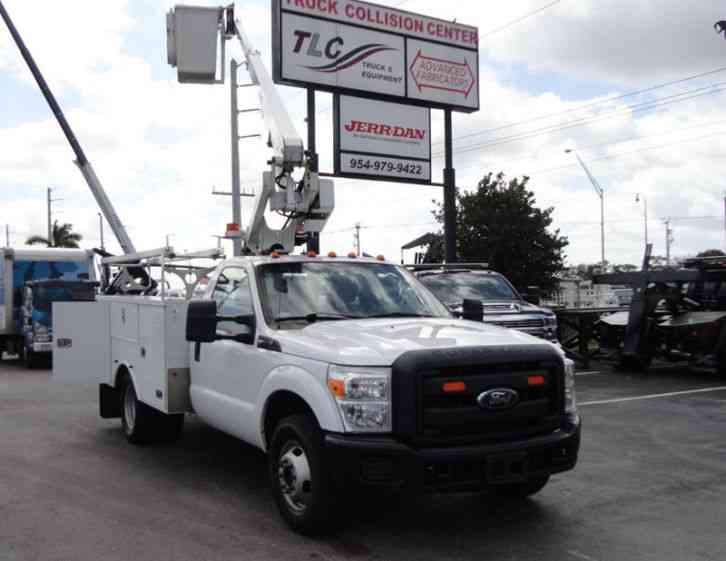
[62, 235]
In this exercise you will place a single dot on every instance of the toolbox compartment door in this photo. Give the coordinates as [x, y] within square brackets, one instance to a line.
[81, 342]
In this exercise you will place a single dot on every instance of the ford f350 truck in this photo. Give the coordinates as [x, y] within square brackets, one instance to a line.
[343, 371]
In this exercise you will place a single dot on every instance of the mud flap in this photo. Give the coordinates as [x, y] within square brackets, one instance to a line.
[109, 400]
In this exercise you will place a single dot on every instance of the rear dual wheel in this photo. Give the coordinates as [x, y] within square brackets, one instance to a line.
[143, 424]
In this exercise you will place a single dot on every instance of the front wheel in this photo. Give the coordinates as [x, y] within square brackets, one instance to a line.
[29, 358]
[521, 490]
[299, 478]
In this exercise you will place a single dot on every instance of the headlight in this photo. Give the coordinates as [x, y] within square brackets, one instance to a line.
[570, 397]
[40, 332]
[551, 321]
[363, 396]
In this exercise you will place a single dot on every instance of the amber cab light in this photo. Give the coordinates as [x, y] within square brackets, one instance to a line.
[332, 254]
[381, 258]
[536, 380]
[453, 387]
[312, 254]
[352, 255]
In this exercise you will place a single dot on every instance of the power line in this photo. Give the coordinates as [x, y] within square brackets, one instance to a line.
[534, 156]
[630, 109]
[519, 20]
[621, 154]
[592, 104]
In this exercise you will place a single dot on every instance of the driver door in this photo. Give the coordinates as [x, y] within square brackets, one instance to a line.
[226, 380]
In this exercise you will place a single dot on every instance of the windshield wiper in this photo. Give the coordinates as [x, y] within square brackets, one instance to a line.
[399, 315]
[312, 318]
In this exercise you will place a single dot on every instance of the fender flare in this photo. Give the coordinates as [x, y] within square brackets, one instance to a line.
[306, 386]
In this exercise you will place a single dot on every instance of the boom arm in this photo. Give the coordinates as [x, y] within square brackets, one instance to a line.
[83, 164]
[305, 203]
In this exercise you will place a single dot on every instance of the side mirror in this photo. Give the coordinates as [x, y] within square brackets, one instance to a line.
[473, 310]
[201, 324]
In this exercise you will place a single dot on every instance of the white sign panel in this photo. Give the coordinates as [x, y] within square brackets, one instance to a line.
[388, 141]
[442, 74]
[342, 56]
[346, 46]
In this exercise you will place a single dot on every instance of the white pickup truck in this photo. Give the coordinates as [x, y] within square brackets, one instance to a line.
[344, 371]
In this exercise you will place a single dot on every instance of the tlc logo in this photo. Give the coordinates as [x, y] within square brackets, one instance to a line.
[332, 49]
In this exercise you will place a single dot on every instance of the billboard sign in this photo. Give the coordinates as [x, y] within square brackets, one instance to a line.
[347, 46]
[382, 140]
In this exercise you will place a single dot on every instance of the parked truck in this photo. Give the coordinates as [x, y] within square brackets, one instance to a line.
[18, 268]
[344, 371]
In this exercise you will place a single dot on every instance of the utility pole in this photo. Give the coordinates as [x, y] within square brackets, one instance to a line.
[356, 238]
[645, 214]
[236, 203]
[50, 223]
[669, 240]
[100, 229]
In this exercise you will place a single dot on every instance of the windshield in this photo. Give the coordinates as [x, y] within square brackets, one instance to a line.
[313, 291]
[44, 296]
[453, 289]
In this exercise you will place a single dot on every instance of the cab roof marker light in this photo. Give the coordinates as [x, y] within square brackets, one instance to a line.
[332, 254]
[352, 255]
[380, 258]
[312, 254]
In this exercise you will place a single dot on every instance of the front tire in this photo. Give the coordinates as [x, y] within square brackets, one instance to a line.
[299, 478]
[521, 490]
[29, 359]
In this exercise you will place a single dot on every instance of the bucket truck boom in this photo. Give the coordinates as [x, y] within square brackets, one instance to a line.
[306, 203]
[81, 160]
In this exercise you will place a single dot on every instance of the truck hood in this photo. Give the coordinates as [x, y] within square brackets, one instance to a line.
[379, 342]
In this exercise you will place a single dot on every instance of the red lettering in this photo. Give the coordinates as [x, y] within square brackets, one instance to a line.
[385, 130]
[420, 134]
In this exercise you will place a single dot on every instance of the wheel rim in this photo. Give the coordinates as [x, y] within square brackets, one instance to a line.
[295, 477]
[130, 408]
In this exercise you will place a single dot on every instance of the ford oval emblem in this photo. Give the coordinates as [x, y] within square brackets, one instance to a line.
[498, 399]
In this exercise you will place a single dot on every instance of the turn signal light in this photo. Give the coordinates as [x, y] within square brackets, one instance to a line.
[453, 387]
[536, 380]
[337, 387]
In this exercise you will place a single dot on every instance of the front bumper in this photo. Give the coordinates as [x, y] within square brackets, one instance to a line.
[43, 347]
[384, 461]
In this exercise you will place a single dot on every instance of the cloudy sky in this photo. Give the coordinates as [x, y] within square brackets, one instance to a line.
[636, 85]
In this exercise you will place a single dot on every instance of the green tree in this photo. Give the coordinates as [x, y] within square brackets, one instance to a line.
[499, 223]
[62, 235]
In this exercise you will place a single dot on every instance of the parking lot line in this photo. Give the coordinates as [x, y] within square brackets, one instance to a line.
[653, 396]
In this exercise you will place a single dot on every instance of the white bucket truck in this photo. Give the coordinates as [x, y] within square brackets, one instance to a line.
[344, 371]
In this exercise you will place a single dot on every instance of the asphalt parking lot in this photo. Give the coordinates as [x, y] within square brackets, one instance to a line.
[650, 485]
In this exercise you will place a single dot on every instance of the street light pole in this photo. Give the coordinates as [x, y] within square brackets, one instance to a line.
[645, 214]
[600, 193]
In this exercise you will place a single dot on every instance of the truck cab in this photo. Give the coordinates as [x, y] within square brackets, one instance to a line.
[36, 313]
[350, 372]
